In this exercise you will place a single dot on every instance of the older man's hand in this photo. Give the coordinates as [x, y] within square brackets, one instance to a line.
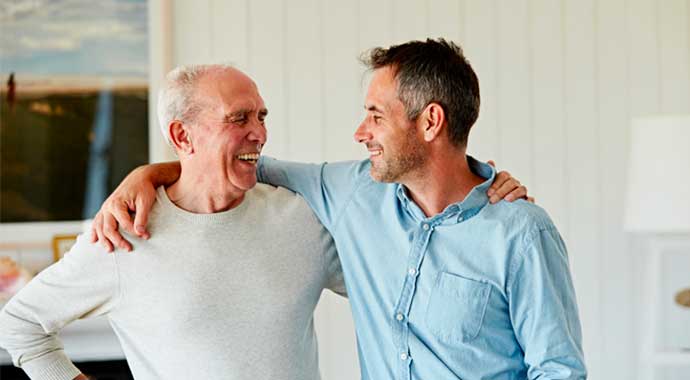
[506, 187]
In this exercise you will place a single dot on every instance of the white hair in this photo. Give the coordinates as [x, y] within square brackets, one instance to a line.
[177, 99]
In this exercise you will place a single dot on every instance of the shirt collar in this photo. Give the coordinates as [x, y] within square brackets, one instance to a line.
[468, 207]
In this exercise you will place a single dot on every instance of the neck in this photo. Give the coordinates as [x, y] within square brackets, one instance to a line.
[203, 193]
[445, 179]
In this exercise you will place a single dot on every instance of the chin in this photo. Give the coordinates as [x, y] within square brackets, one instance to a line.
[246, 184]
[380, 175]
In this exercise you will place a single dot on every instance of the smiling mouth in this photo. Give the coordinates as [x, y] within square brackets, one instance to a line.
[374, 153]
[251, 158]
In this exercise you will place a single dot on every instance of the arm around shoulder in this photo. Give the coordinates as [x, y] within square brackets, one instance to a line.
[327, 187]
[136, 193]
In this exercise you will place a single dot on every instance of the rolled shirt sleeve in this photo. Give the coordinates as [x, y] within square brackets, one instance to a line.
[543, 309]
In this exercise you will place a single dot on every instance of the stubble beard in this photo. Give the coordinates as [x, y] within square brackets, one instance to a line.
[407, 159]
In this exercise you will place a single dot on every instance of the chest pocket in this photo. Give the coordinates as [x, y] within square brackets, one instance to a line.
[456, 308]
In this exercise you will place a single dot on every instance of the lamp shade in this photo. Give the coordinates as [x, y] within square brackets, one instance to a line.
[658, 192]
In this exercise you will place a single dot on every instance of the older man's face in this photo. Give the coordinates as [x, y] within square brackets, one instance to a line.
[229, 133]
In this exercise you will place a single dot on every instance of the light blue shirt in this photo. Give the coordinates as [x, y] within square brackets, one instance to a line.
[478, 291]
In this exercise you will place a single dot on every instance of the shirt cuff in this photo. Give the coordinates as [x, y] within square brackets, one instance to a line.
[53, 366]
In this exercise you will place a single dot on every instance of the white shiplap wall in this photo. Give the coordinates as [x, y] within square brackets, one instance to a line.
[560, 81]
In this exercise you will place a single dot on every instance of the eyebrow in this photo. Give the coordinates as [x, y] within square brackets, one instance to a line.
[373, 108]
[243, 112]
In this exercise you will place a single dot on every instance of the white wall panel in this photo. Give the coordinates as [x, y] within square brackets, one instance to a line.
[582, 165]
[266, 64]
[446, 19]
[342, 102]
[616, 292]
[409, 20]
[375, 23]
[191, 32]
[546, 33]
[672, 32]
[644, 97]
[514, 92]
[229, 32]
[304, 77]
[480, 48]
[643, 58]
[160, 62]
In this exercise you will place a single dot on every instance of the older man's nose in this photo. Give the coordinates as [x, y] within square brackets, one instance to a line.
[258, 133]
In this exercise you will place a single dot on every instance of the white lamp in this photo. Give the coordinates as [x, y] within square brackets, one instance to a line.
[658, 197]
[658, 206]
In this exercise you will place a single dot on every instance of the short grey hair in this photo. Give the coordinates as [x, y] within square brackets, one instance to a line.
[177, 99]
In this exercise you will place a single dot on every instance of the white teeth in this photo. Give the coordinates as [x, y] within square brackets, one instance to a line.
[248, 156]
[375, 152]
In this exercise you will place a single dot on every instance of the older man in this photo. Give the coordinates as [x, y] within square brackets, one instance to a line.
[442, 284]
[226, 286]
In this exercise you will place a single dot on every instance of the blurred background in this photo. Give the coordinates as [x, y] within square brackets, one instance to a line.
[565, 85]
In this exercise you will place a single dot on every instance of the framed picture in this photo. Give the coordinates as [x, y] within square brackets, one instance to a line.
[73, 105]
[62, 244]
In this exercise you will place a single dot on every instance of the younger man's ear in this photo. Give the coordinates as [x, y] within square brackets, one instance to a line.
[180, 137]
[433, 118]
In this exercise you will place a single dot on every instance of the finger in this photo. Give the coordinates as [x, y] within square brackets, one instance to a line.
[143, 206]
[122, 217]
[94, 224]
[492, 163]
[505, 189]
[110, 229]
[111, 232]
[102, 239]
[500, 180]
[519, 193]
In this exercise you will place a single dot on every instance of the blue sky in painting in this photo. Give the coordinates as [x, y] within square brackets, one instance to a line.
[74, 37]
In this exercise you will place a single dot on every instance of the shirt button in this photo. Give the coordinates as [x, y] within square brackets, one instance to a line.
[403, 356]
[399, 317]
[412, 271]
[425, 227]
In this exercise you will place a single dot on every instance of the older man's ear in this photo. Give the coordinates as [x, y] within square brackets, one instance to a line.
[180, 137]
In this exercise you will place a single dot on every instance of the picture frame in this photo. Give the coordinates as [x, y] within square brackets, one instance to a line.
[62, 244]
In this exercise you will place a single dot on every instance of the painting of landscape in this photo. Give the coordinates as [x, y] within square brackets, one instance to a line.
[73, 105]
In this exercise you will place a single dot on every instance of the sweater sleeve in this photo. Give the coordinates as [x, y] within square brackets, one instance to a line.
[83, 284]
